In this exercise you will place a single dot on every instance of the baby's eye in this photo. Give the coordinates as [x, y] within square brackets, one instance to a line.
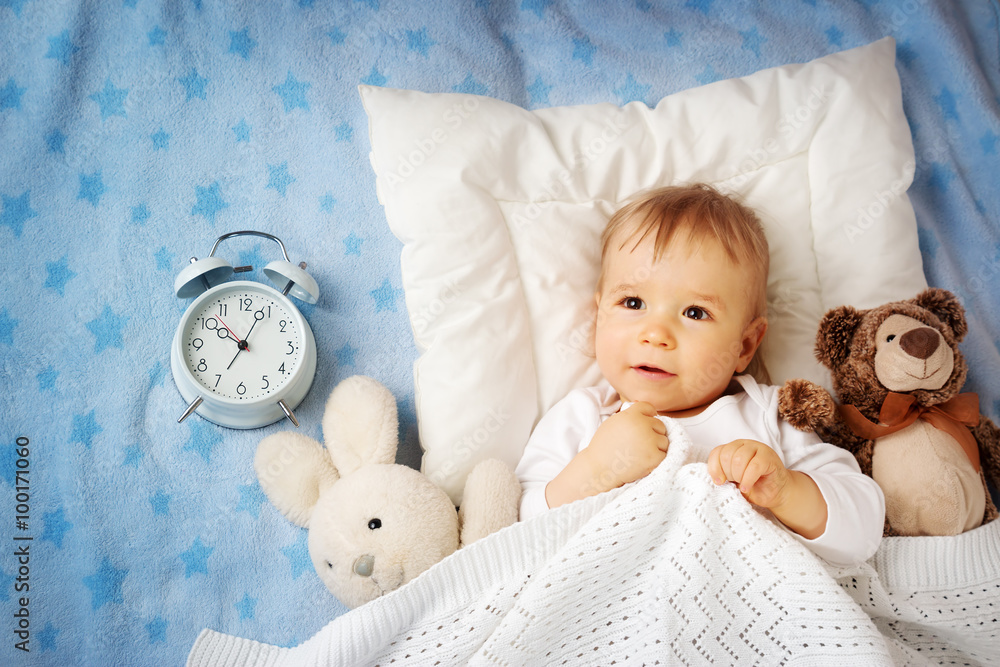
[632, 303]
[695, 313]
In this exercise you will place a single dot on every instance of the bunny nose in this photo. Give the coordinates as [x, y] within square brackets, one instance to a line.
[920, 343]
[364, 565]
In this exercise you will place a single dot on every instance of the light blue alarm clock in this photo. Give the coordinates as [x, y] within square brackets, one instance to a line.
[243, 355]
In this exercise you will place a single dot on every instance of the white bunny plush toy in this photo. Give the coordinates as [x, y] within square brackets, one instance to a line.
[373, 524]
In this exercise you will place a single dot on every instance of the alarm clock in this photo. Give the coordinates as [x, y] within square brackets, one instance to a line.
[243, 356]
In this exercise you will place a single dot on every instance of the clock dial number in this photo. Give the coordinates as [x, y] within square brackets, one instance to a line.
[267, 345]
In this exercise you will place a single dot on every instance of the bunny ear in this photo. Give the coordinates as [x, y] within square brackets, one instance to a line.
[360, 424]
[293, 470]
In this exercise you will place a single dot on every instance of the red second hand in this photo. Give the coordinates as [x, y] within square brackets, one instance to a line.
[239, 342]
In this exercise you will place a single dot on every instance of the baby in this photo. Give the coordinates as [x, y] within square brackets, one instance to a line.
[681, 311]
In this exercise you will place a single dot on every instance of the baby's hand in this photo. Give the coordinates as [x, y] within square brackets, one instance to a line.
[755, 467]
[791, 495]
[627, 446]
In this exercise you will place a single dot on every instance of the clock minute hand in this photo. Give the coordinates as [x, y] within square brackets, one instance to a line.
[255, 321]
[241, 344]
[234, 359]
[245, 343]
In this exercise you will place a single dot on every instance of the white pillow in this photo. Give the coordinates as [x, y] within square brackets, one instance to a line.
[500, 211]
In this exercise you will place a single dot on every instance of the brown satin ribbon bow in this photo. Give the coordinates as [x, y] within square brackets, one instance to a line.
[955, 417]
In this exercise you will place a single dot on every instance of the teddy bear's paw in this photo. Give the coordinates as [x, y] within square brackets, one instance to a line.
[806, 405]
[490, 502]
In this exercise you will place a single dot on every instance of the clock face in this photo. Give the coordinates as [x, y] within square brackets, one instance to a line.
[243, 344]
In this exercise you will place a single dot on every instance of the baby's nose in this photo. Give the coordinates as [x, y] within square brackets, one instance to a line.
[656, 333]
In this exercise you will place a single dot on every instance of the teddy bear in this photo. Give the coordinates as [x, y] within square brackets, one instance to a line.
[373, 524]
[897, 372]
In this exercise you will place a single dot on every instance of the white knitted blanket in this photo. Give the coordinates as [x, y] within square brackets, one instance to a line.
[670, 569]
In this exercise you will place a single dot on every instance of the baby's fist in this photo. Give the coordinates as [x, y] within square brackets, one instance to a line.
[754, 467]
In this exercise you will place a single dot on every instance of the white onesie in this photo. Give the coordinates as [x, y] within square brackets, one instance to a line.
[855, 504]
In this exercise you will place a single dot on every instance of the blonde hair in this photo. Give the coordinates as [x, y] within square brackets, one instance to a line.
[702, 212]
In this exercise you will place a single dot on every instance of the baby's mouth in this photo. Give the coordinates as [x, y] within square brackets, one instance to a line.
[652, 371]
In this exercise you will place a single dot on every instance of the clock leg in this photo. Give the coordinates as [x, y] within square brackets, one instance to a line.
[288, 413]
[191, 408]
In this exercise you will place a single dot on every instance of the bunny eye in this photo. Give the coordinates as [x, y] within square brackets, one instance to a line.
[329, 564]
[375, 524]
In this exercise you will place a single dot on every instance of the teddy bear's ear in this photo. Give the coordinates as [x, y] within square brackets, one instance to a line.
[836, 332]
[946, 307]
[293, 470]
[360, 424]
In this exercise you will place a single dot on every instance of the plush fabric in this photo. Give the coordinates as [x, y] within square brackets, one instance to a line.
[931, 487]
[135, 132]
[500, 212]
[673, 569]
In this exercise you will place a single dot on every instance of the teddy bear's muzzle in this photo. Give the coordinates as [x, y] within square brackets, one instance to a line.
[364, 565]
[920, 343]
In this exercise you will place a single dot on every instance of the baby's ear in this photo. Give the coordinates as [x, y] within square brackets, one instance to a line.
[293, 471]
[753, 335]
[835, 335]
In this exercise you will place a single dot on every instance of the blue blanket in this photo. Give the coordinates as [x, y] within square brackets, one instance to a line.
[136, 132]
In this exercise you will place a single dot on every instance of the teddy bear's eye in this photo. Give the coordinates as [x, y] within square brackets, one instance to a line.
[375, 524]
[890, 338]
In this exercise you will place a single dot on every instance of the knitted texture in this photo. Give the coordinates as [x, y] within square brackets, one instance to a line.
[672, 570]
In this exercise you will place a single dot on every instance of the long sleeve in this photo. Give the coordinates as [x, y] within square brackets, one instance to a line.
[562, 433]
[855, 504]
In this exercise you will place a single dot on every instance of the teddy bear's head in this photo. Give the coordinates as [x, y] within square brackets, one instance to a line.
[373, 524]
[906, 346]
[377, 529]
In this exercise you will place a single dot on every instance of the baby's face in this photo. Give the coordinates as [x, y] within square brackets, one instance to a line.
[671, 332]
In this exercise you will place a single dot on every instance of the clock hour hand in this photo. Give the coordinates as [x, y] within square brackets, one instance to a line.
[241, 343]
